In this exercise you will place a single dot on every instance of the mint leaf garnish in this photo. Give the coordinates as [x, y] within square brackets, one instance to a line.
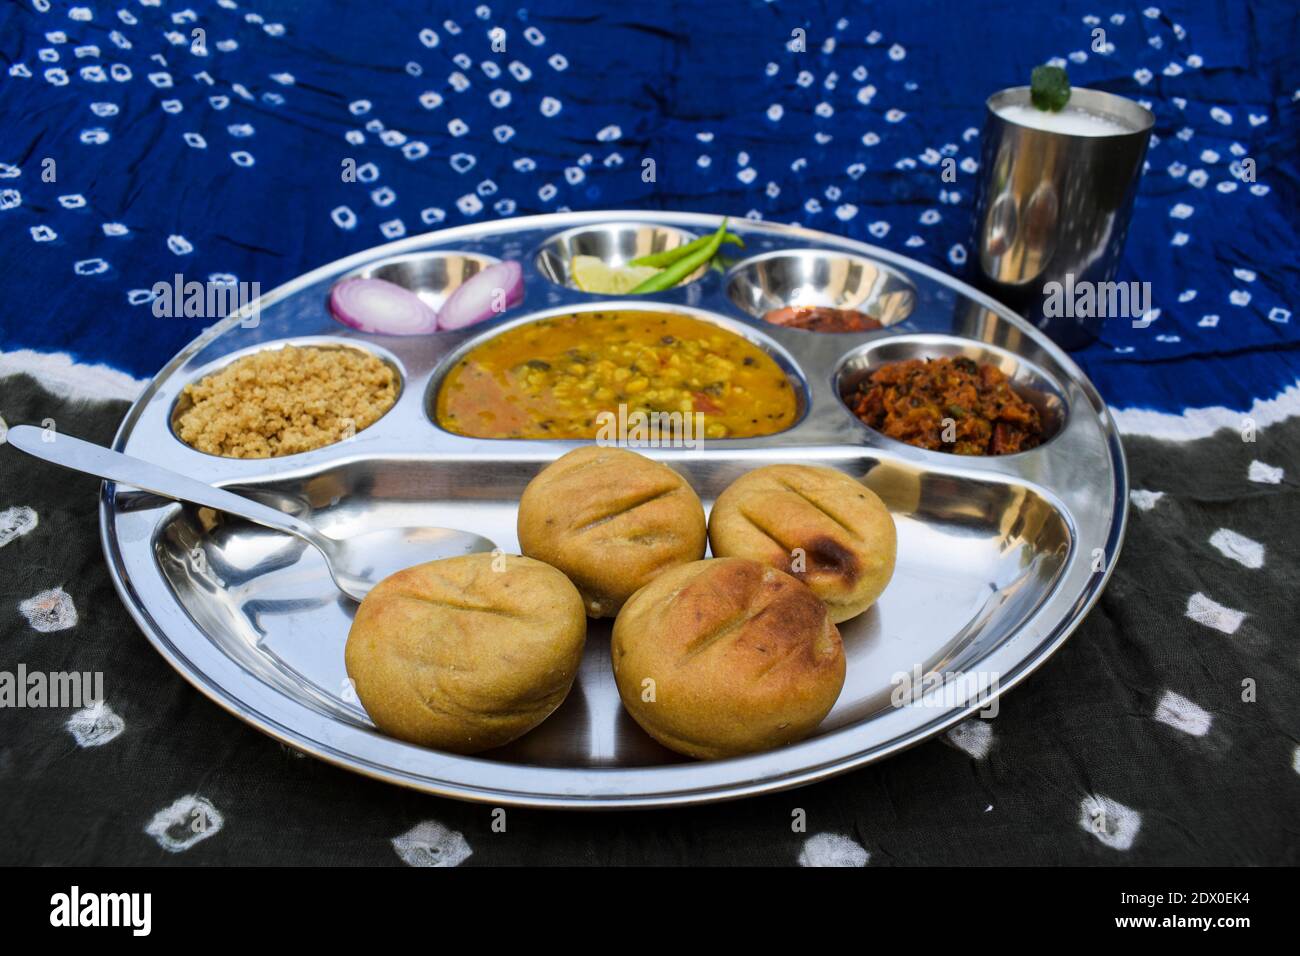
[1049, 88]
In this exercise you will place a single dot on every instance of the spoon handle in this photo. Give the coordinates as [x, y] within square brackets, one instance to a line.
[114, 466]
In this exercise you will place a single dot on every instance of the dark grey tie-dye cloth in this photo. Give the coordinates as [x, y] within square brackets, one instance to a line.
[1164, 732]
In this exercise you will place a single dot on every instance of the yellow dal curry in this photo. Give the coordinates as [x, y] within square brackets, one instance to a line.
[553, 377]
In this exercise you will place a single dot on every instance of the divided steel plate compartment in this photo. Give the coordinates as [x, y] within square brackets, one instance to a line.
[996, 556]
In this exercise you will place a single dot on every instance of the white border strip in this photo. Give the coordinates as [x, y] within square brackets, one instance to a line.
[1203, 422]
[62, 376]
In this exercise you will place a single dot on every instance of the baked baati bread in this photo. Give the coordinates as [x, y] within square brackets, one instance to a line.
[818, 524]
[611, 520]
[725, 657]
[466, 653]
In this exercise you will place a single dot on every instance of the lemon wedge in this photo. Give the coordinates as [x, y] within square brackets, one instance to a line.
[591, 274]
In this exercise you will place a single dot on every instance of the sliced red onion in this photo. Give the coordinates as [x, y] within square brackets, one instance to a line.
[382, 307]
[484, 296]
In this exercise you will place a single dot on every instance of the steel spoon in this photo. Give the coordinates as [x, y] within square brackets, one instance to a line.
[356, 563]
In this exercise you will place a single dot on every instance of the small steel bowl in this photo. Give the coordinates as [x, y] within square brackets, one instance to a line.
[1028, 381]
[616, 243]
[184, 402]
[433, 276]
[820, 277]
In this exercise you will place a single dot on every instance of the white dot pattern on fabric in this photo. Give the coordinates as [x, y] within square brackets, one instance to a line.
[188, 821]
[974, 736]
[95, 725]
[429, 843]
[1238, 547]
[1144, 500]
[1182, 714]
[1203, 610]
[832, 849]
[1264, 474]
[1112, 823]
[50, 610]
[432, 844]
[16, 522]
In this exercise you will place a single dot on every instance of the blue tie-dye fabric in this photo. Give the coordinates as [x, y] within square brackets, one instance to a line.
[225, 159]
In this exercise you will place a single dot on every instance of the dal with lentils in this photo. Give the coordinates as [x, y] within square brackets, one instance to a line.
[553, 377]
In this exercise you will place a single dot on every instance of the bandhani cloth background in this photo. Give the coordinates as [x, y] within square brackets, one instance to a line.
[129, 152]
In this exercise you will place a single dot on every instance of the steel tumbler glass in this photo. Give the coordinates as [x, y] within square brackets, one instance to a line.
[1054, 207]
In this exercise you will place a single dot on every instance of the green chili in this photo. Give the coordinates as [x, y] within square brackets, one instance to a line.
[666, 258]
[684, 266]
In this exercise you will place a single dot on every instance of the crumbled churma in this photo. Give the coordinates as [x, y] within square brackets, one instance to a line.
[286, 400]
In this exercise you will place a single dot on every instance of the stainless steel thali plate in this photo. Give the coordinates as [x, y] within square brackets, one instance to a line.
[999, 559]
